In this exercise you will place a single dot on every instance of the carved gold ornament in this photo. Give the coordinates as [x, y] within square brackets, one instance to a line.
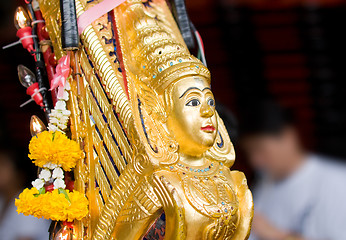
[145, 115]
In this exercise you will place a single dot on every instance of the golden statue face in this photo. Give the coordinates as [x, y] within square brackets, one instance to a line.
[192, 120]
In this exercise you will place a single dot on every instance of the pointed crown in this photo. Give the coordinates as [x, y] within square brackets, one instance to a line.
[154, 49]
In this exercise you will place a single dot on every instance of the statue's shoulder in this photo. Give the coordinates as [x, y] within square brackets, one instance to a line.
[244, 197]
[238, 178]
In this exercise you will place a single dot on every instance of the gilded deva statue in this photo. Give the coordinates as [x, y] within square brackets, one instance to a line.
[156, 143]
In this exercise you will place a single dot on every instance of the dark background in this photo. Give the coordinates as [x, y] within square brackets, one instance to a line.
[292, 51]
[14, 121]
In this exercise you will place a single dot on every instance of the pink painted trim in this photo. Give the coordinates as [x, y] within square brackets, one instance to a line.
[96, 12]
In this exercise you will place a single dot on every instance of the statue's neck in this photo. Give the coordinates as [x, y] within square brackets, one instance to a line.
[193, 161]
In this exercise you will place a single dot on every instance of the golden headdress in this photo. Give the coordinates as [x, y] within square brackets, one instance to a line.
[155, 53]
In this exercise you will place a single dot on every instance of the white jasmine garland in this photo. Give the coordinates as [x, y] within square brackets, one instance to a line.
[54, 121]
[66, 113]
[59, 183]
[62, 126]
[64, 96]
[45, 174]
[59, 116]
[52, 127]
[38, 183]
[58, 173]
[60, 105]
[50, 166]
[67, 86]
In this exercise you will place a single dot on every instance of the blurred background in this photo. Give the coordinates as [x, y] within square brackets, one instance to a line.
[292, 52]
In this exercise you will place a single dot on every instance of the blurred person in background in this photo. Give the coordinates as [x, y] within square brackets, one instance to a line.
[15, 169]
[299, 195]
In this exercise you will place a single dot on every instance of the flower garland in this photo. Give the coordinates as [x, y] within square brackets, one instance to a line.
[54, 153]
[55, 205]
[53, 149]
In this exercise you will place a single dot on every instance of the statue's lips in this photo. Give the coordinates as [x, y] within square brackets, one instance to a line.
[208, 128]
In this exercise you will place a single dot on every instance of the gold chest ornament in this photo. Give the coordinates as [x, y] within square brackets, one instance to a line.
[209, 193]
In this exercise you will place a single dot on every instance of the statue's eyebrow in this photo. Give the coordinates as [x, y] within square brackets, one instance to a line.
[193, 88]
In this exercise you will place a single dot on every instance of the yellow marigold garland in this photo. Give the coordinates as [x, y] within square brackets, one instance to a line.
[53, 151]
[53, 205]
[54, 147]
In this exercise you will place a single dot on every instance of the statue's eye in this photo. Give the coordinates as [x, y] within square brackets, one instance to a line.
[211, 102]
[193, 103]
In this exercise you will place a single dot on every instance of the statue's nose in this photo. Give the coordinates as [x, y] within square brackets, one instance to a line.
[206, 111]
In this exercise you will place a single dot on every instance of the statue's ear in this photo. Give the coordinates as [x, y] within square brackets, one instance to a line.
[222, 149]
[150, 118]
[160, 116]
